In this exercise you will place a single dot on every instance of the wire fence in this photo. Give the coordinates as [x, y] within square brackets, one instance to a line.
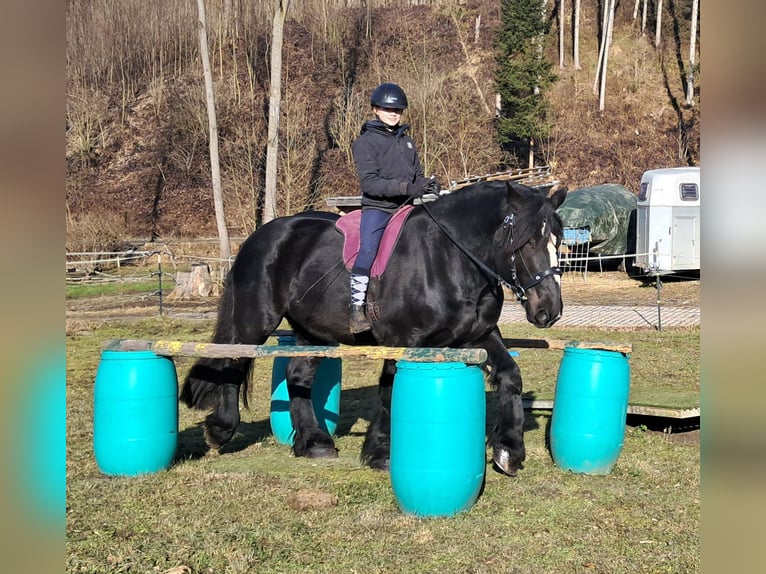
[132, 267]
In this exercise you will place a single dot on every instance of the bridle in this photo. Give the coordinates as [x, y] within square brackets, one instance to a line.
[521, 290]
[514, 284]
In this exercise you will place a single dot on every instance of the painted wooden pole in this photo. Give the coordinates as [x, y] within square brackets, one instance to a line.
[561, 344]
[220, 351]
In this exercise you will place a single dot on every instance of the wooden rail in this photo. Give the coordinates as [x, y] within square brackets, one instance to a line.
[561, 344]
[416, 354]
[221, 351]
[539, 177]
[633, 409]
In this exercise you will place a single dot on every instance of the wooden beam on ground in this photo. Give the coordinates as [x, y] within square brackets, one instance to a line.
[221, 351]
[668, 412]
[561, 344]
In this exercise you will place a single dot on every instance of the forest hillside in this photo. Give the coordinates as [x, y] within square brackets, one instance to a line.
[137, 130]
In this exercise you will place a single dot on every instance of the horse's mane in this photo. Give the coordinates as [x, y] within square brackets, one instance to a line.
[484, 205]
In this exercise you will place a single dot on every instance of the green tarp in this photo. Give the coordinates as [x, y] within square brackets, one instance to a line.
[605, 210]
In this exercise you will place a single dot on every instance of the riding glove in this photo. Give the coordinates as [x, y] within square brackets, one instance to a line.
[433, 186]
[418, 187]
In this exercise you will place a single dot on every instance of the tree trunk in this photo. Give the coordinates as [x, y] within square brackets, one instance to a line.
[275, 96]
[215, 165]
[195, 283]
[658, 28]
[561, 33]
[643, 17]
[602, 45]
[576, 36]
[692, 48]
[610, 5]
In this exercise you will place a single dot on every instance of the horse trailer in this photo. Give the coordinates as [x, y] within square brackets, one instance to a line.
[668, 221]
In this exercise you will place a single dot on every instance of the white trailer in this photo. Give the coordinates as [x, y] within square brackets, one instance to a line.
[668, 221]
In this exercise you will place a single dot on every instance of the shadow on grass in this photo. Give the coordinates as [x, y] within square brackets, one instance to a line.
[356, 406]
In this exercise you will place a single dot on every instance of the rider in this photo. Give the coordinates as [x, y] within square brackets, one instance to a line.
[390, 175]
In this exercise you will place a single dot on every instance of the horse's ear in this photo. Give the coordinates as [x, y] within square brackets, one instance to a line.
[558, 197]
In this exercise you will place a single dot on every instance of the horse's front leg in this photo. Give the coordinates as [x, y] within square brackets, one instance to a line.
[507, 438]
[310, 440]
[376, 450]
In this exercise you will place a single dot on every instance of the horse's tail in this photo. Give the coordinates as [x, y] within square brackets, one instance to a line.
[209, 379]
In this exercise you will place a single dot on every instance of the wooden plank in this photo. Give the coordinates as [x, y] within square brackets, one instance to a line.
[555, 344]
[220, 351]
[663, 412]
[561, 344]
[533, 177]
[547, 405]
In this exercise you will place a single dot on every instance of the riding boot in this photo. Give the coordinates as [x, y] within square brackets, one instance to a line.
[359, 322]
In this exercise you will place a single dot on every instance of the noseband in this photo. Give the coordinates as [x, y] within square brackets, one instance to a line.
[518, 289]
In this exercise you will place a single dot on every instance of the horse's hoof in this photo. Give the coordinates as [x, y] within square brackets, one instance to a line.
[383, 465]
[503, 462]
[323, 451]
[213, 444]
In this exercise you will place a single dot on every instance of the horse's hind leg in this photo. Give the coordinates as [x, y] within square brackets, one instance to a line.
[215, 384]
[310, 440]
[376, 450]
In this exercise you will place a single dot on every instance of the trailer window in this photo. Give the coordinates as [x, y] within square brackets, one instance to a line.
[689, 192]
[643, 191]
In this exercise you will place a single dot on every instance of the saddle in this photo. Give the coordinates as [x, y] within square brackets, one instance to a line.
[348, 225]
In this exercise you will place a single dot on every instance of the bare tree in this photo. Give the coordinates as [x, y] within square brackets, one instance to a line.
[576, 35]
[275, 95]
[561, 33]
[601, 48]
[215, 166]
[692, 48]
[609, 7]
[643, 17]
[658, 27]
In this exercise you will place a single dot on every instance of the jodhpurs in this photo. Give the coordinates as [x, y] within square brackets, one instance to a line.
[371, 229]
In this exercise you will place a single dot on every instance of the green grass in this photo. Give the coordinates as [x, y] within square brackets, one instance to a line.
[96, 290]
[664, 366]
[236, 512]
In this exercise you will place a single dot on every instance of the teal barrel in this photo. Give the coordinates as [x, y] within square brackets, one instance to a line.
[438, 423]
[135, 412]
[589, 410]
[325, 395]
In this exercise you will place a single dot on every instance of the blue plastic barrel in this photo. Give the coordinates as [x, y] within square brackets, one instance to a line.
[325, 396]
[135, 412]
[589, 410]
[438, 420]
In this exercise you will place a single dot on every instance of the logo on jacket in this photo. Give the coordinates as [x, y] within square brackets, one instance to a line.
[409, 145]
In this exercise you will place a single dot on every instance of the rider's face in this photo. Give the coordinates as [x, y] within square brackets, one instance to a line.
[389, 116]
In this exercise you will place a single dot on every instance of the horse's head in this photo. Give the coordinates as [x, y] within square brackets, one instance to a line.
[532, 234]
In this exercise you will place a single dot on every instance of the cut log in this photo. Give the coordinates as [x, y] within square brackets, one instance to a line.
[194, 283]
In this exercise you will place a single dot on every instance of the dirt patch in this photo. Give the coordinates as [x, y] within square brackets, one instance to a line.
[690, 438]
[617, 288]
[597, 288]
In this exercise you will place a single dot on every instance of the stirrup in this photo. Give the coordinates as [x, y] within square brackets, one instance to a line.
[359, 321]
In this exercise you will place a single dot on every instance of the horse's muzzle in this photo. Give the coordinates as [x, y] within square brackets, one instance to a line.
[544, 318]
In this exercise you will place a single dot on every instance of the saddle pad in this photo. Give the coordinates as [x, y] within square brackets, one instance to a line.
[349, 227]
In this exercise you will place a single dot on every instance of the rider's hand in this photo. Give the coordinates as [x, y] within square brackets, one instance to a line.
[418, 187]
[433, 186]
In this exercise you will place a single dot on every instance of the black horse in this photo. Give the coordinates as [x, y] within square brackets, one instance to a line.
[443, 287]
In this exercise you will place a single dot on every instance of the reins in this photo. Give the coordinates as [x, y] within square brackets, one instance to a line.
[490, 273]
[494, 277]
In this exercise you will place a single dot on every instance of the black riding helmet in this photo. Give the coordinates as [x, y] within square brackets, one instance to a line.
[388, 96]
